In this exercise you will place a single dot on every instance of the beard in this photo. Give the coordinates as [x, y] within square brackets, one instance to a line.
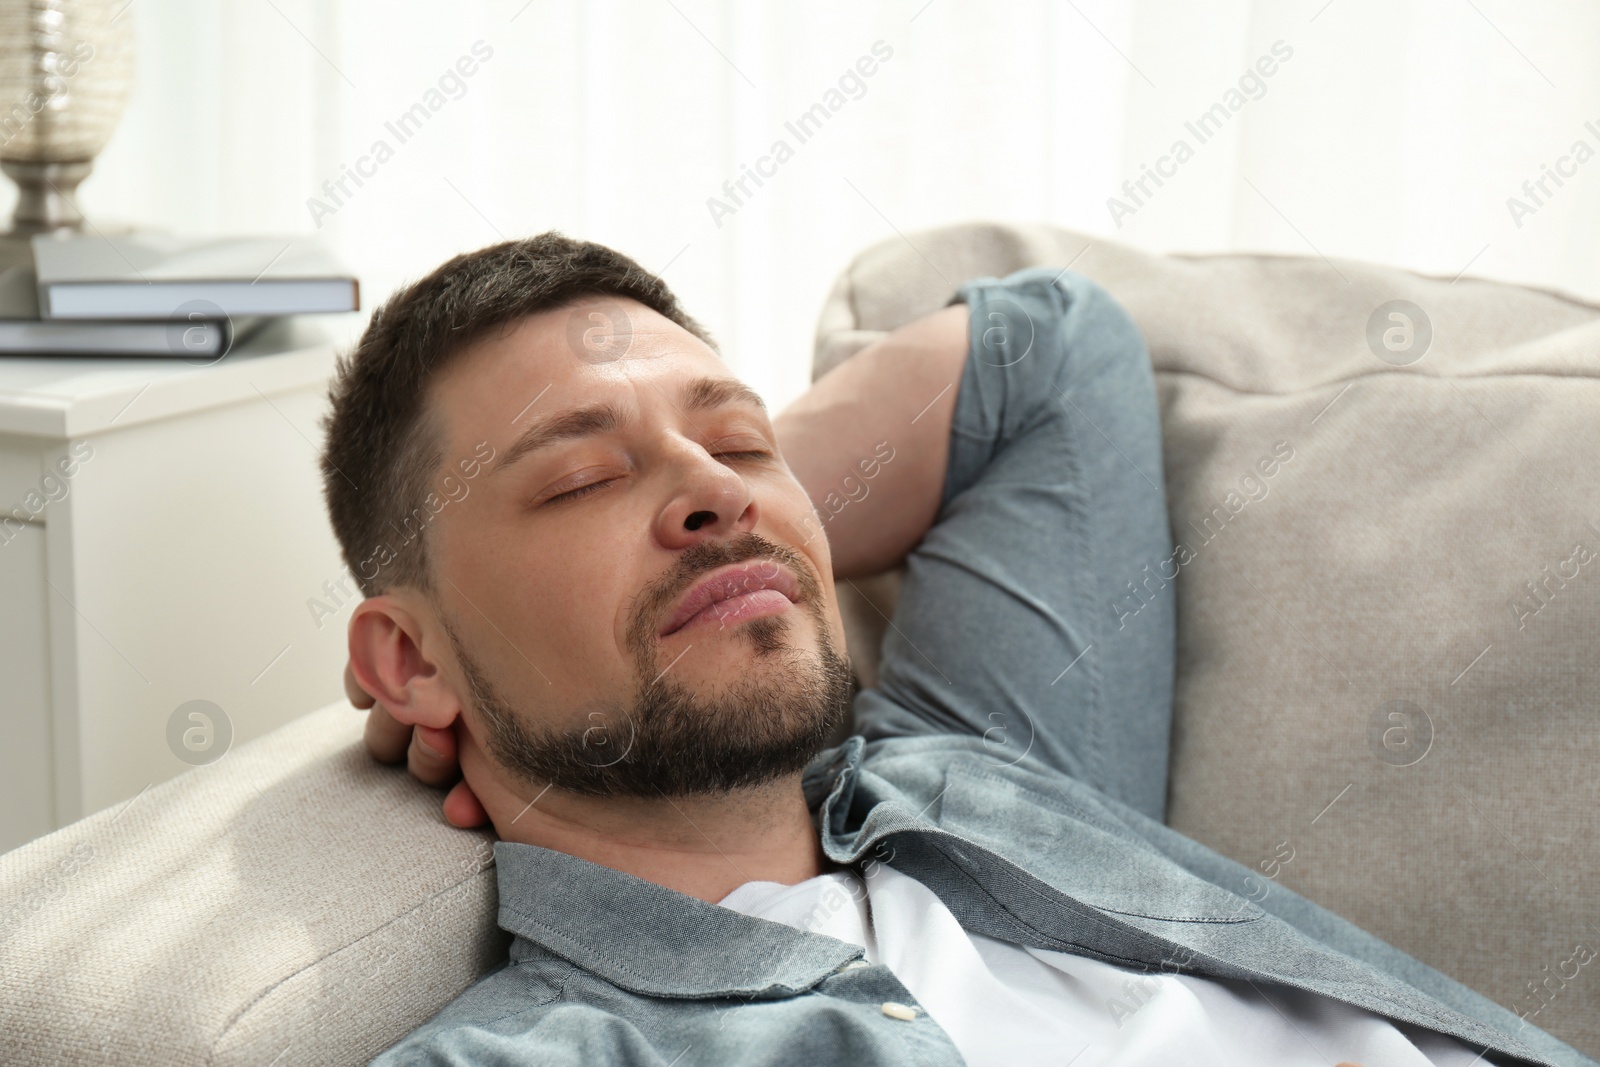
[673, 740]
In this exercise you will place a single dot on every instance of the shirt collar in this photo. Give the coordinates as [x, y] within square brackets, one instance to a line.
[656, 941]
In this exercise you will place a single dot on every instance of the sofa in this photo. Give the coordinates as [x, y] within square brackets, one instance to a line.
[1384, 697]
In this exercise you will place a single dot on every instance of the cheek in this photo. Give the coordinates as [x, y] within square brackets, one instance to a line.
[791, 521]
[581, 604]
[553, 611]
[569, 655]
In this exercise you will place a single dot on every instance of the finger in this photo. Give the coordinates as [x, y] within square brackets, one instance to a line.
[432, 756]
[387, 739]
[462, 807]
[352, 689]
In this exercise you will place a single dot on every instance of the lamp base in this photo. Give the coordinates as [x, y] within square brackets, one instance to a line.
[45, 200]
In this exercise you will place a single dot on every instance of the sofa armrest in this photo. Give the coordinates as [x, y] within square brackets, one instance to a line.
[295, 902]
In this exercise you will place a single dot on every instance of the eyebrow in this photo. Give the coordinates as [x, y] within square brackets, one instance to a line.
[591, 420]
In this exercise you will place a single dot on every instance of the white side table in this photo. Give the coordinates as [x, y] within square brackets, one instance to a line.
[166, 534]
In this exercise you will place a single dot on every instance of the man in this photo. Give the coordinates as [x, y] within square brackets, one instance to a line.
[598, 580]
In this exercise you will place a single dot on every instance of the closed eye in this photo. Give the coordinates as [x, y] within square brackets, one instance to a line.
[582, 490]
[585, 490]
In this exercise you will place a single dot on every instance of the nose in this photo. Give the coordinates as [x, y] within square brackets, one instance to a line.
[712, 503]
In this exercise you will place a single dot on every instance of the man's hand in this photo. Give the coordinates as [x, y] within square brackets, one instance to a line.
[430, 754]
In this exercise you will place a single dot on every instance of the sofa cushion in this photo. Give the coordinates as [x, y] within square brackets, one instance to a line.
[1386, 645]
[293, 903]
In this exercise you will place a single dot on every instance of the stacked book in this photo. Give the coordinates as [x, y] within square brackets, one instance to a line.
[149, 294]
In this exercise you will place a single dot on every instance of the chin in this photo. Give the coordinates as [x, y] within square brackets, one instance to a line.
[744, 647]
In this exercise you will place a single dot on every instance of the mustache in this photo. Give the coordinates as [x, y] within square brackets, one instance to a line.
[698, 560]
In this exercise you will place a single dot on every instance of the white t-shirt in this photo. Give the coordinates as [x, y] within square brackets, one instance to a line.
[1008, 1006]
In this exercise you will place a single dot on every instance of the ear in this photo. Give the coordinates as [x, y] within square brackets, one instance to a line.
[391, 656]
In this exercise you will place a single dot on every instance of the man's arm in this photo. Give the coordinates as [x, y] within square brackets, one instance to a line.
[896, 394]
[1019, 620]
[899, 392]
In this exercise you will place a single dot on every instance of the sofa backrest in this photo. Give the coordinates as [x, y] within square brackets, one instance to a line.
[1387, 648]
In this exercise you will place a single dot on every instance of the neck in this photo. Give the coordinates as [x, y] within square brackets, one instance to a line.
[702, 846]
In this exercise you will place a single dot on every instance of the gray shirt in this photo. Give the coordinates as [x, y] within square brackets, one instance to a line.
[608, 968]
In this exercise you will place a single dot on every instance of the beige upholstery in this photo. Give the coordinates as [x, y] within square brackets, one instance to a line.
[295, 903]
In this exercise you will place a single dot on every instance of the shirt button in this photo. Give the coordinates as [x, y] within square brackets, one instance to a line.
[899, 1011]
[855, 965]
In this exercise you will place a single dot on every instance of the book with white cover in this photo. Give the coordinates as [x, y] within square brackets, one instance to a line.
[22, 332]
[162, 276]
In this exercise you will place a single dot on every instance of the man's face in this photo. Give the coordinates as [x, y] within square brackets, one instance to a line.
[630, 470]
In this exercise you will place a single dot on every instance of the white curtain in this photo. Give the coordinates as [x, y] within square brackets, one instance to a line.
[1392, 130]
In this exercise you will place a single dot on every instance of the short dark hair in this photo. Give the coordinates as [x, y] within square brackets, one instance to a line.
[382, 449]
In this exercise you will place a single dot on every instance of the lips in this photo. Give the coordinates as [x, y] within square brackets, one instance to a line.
[729, 583]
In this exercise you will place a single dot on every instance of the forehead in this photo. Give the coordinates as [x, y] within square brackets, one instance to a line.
[572, 355]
